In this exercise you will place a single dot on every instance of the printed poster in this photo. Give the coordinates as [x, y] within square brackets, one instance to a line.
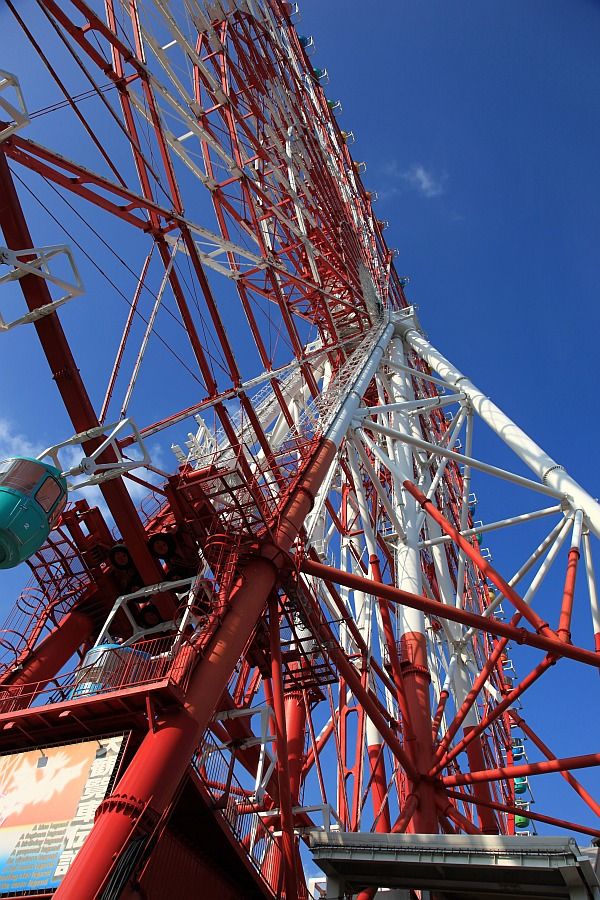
[48, 799]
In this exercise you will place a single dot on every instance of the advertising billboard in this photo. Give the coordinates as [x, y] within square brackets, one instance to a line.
[48, 799]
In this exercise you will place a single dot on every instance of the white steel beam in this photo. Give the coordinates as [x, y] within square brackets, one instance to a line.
[541, 464]
[494, 526]
[591, 579]
[438, 450]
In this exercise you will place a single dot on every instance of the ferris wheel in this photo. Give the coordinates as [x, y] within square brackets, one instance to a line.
[271, 570]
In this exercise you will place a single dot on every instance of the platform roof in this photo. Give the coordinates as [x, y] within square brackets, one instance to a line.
[458, 866]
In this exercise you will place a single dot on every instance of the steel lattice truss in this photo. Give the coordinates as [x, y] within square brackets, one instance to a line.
[318, 638]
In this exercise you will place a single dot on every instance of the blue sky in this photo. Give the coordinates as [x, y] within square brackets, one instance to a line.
[480, 126]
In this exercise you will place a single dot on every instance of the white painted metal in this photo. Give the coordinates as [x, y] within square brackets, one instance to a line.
[494, 526]
[372, 734]
[180, 587]
[408, 563]
[546, 564]
[37, 261]
[148, 331]
[94, 471]
[577, 530]
[385, 500]
[591, 579]
[439, 474]
[353, 398]
[14, 111]
[548, 541]
[464, 510]
[466, 460]
[413, 406]
[547, 469]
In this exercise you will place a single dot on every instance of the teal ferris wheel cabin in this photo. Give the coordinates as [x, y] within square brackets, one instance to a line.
[32, 496]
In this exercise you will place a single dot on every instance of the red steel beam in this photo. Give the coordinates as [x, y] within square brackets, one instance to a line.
[482, 564]
[566, 610]
[449, 810]
[476, 730]
[519, 811]
[455, 614]
[283, 767]
[68, 379]
[539, 768]
[52, 653]
[577, 787]
[408, 810]
[472, 696]
[153, 776]
[487, 819]
[364, 696]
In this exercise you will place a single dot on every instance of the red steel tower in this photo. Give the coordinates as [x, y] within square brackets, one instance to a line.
[294, 624]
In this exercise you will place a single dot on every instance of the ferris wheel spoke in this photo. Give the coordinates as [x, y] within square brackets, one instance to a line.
[304, 625]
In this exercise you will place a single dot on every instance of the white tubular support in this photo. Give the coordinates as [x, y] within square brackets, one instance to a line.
[440, 450]
[150, 590]
[547, 564]
[577, 530]
[93, 471]
[383, 497]
[148, 331]
[591, 579]
[494, 526]
[560, 528]
[547, 469]
[413, 406]
[338, 428]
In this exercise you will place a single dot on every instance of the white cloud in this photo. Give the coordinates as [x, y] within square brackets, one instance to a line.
[423, 181]
[417, 177]
[13, 443]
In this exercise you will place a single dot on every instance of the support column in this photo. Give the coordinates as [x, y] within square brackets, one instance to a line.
[381, 806]
[150, 782]
[335, 888]
[284, 770]
[364, 604]
[411, 622]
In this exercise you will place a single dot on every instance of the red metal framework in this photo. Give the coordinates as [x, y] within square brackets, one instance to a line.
[300, 627]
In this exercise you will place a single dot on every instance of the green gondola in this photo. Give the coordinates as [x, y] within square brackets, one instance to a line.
[32, 496]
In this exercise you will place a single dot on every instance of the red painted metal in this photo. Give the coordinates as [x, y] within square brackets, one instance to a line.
[415, 675]
[266, 624]
[518, 811]
[483, 565]
[487, 819]
[473, 733]
[454, 614]
[286, 788]
[379, 788]
[66, 374]
[566, 610]
[538, 768]
[526, 729]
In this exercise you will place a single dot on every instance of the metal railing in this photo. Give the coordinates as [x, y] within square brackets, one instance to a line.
[236, 806]
[60, 579]
[113, 669]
